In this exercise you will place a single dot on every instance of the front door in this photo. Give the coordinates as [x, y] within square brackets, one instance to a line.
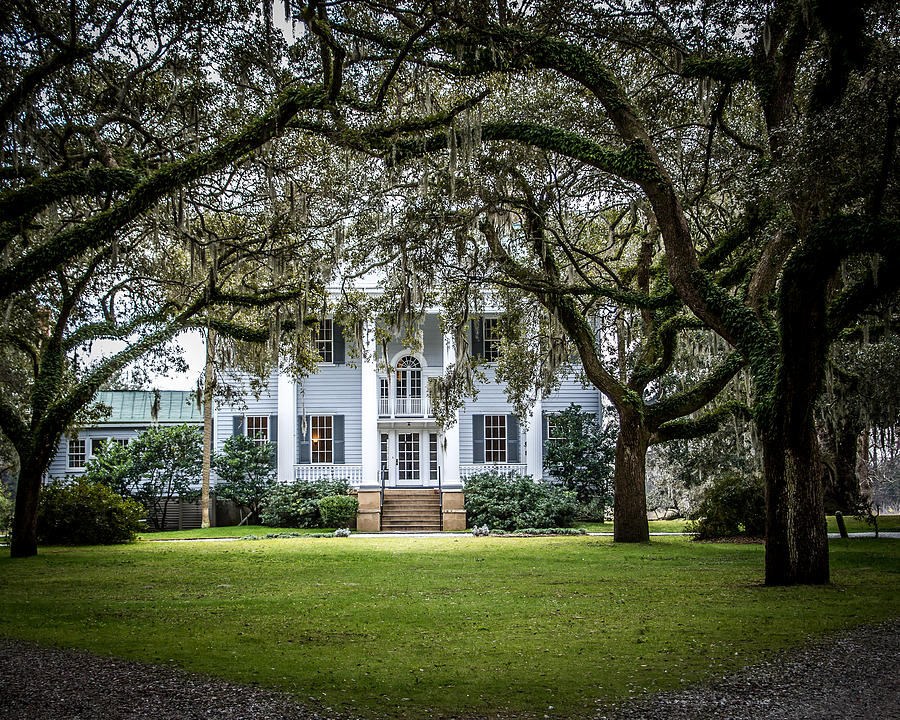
[409, 459]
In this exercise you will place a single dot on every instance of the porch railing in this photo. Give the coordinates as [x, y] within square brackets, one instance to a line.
[466, 471]
[315, 473]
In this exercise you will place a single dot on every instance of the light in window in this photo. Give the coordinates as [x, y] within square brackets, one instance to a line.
[495, 438]
[321, 439]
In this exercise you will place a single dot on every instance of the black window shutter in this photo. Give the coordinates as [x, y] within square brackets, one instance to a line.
[237, 425]
[303, 449]
[273, 428]
[478, 439]
[512, 439]
[338, 352]
[477, 340]
[337, 430]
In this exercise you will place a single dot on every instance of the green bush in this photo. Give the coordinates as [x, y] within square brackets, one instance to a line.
[7, 508]
[296, 504]
[338, 511]
[246, 472]
[733, 505]
[509, 502]
[82, 512]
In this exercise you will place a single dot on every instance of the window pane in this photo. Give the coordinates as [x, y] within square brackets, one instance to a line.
[321, 439]
[258, 428]
[491, 340]
[77, 453]
[495, 438]
[433, 455]
[323, 340]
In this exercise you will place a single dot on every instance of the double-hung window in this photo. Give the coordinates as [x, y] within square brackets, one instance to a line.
[495, 438]
[491, 337]
[323, 340]
[258, 428]
[77, 453]
[321, 436]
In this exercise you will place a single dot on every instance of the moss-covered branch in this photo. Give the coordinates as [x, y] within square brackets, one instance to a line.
[701, 426]
[698, 396]
[100, 229]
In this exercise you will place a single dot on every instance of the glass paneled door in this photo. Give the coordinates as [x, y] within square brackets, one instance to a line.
[409, 458]
[409, 386]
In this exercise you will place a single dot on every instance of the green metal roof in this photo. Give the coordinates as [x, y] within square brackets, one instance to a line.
[134, 407]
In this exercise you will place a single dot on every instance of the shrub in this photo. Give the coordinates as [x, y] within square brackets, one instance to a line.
[733, 505]
[246, 472]
[510, 502]
[338, 511]
[82, 512]
[296, 504]
[7, 508]
[159, 465]
[581, 456]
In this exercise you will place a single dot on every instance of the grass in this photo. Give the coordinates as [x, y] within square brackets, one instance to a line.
[886, 523]
[227, 531]
[655, 526]
[420, 627]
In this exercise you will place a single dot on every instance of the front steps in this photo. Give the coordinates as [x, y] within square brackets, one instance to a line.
[411, 510]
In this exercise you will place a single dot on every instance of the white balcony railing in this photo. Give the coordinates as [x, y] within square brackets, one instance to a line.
[403, 407]
[314, 473]
[466, 471]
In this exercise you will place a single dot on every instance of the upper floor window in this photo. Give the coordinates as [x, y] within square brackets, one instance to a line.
[258, 428]
[321, 435]
[495, 438]
[323, 340]
[77, 453]
[490, 333]
[554, 430]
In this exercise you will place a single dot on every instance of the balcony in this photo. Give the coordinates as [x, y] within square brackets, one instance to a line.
[403, 407]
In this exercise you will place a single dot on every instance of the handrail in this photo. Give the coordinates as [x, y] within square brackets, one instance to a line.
[441, 498]
[381, 507]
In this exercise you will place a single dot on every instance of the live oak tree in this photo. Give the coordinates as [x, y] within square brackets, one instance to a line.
[760, 94]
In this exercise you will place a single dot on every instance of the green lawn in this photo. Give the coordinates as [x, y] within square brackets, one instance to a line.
[655, 526]
[886, 523]
[421, 627]
[227, 531]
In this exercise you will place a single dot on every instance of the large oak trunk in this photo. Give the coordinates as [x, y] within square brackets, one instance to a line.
[630, 506]
[24, 530]
[796, 534]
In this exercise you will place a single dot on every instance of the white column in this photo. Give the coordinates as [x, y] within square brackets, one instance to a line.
[287, 427]
[534, 442]
[370, 444]
[450, 470]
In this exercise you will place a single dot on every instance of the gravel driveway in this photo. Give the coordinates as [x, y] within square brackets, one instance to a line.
[851, 675]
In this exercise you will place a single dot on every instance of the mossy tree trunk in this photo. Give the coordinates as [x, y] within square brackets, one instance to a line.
[630, 507]
[796, 535]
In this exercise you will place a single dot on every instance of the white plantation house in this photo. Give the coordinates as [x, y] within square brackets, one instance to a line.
[353, 419]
